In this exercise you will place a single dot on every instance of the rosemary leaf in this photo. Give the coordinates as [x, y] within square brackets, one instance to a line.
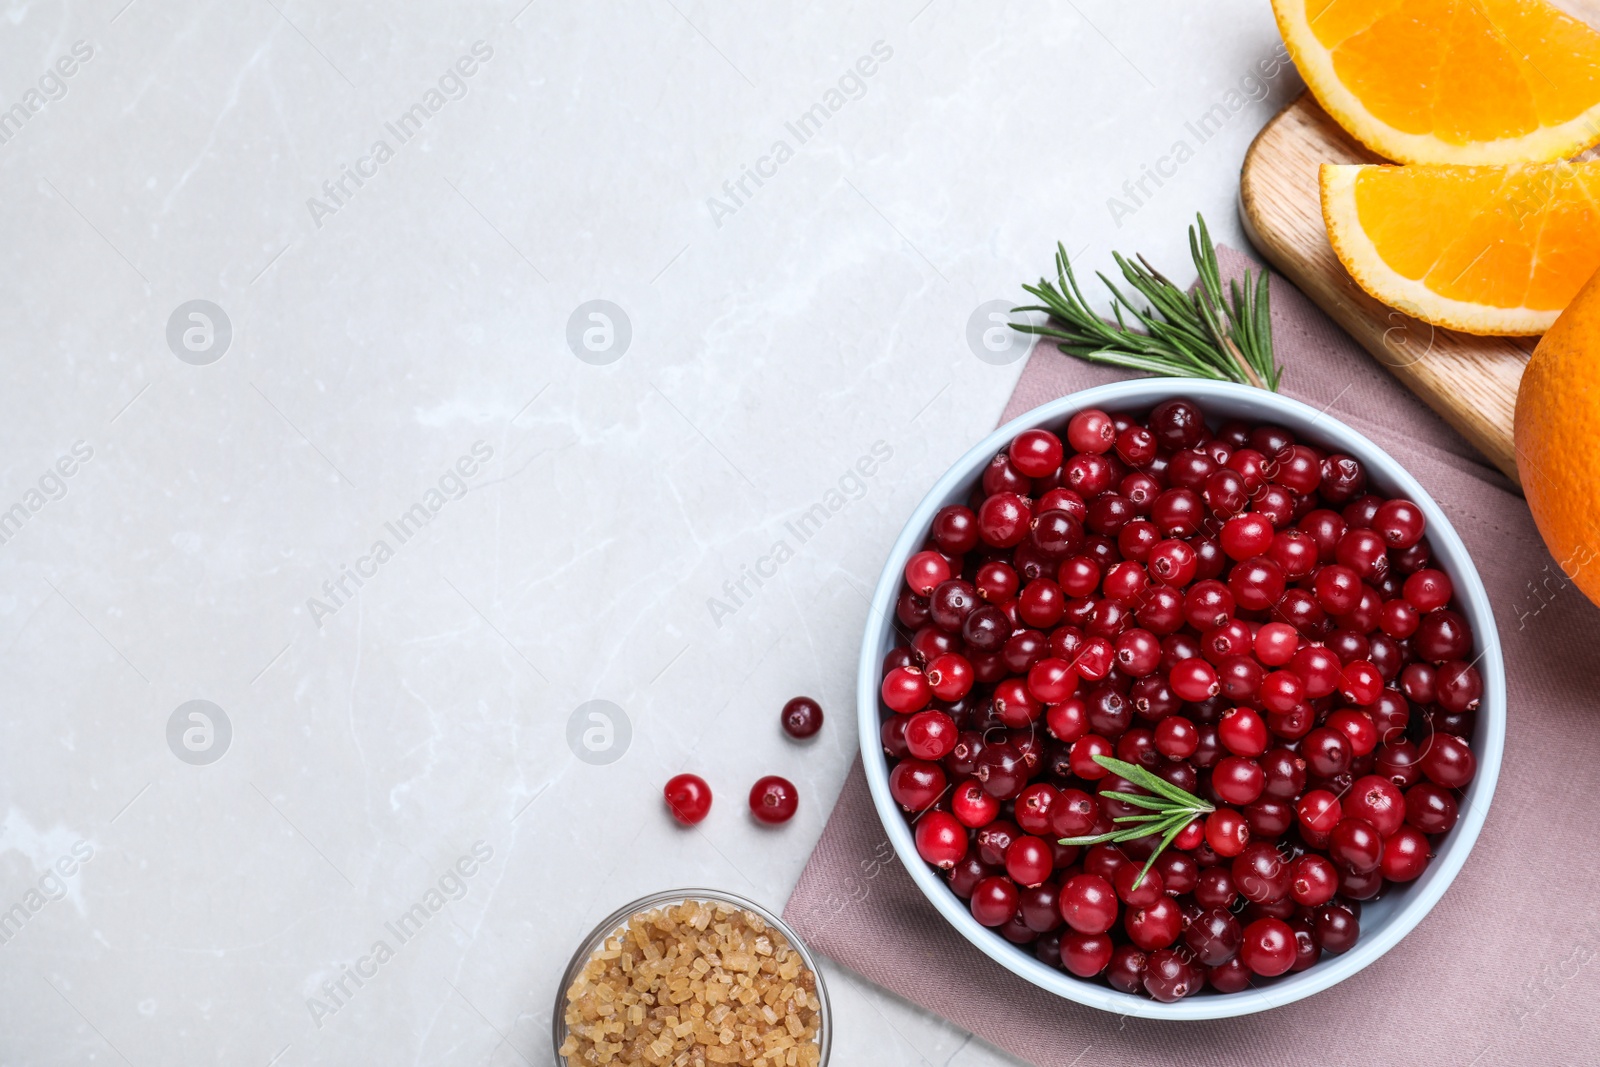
[1144, 779]
[1203, 333]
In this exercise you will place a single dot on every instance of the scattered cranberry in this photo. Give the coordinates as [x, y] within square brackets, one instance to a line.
[1228, 608]
[802, 718]
[688, 798]
[773, 799]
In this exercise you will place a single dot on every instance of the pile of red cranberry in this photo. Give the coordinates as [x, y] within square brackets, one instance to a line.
[1229, 609]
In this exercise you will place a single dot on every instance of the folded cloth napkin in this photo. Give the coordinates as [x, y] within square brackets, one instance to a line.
[1504, 970]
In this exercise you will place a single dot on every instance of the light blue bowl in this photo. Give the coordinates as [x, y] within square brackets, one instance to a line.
[1383, 922]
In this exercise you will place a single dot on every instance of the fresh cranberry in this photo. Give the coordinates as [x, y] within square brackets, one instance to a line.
[1032, 808]
[994, 901]
[1405, 854]
[1430, 808]
[1378, 801]
[1285, 774]
[1442, 635]
[1260, 873]
[925, 571]
[1014, 704]
[1177, 424]
[1335, 929]
[802, 717]
[1126, 969]
[1037, 453]
[1400, 522]
[1194, 679]
[1230, 977]
[941, 839]
[774, 800]
[1244, 536]
[688, 798]
[915, 785]
[1155, 925]
[905, 689]
[930, 735]
[1448, 761]
[1088, 904]
[1312, 880]
[972, 805]
[955, 529]
[1178, 871]
[1176, 738]
[1085, 955]
[1038, 907]
[1355, 844]
[1237, 780]
[1214, 937]
[893, 736]
[1214, 888]
[1428, 589]
[1319, 811]
[1029, 861]
[1227, 832]
[1326, 752]
[1458, 686]
[1307, 953]
[1399, 761]
[1002, 770]
[1267, 947]
[1169, 977]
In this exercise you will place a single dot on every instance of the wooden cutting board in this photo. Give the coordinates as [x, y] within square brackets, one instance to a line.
[1470, 381]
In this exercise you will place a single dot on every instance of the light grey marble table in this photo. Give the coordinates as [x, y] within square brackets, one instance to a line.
[396, 379]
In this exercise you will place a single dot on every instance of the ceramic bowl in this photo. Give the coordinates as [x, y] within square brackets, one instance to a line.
[1383, 921]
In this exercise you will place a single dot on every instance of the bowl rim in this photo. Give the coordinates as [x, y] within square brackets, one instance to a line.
[1473, 599]
[613, 922]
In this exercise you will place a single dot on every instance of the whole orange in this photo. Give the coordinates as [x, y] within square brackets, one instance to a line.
[1558, 438]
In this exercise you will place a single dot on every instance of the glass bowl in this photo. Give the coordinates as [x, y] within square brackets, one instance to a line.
[615, 921]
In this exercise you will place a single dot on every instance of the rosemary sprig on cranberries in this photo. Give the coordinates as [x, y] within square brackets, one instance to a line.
[1196, 333]
[1170, 809]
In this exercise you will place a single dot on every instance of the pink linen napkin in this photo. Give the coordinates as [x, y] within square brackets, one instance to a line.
[1504, 970]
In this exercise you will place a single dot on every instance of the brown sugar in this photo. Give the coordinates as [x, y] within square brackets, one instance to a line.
[691, 984]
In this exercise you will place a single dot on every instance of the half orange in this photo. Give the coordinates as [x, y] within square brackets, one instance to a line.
[1484, 250]
[1450, 81]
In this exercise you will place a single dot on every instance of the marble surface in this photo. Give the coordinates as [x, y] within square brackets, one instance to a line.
[395, 509]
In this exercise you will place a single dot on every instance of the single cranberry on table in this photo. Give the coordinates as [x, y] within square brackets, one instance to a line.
[774, 800]
[688, 798]
[802, 718]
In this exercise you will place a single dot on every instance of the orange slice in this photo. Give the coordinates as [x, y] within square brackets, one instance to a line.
[1450, 81]
[1485, 250]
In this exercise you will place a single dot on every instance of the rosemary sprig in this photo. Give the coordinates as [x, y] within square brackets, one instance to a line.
[1189, 334]
[1171, 809]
